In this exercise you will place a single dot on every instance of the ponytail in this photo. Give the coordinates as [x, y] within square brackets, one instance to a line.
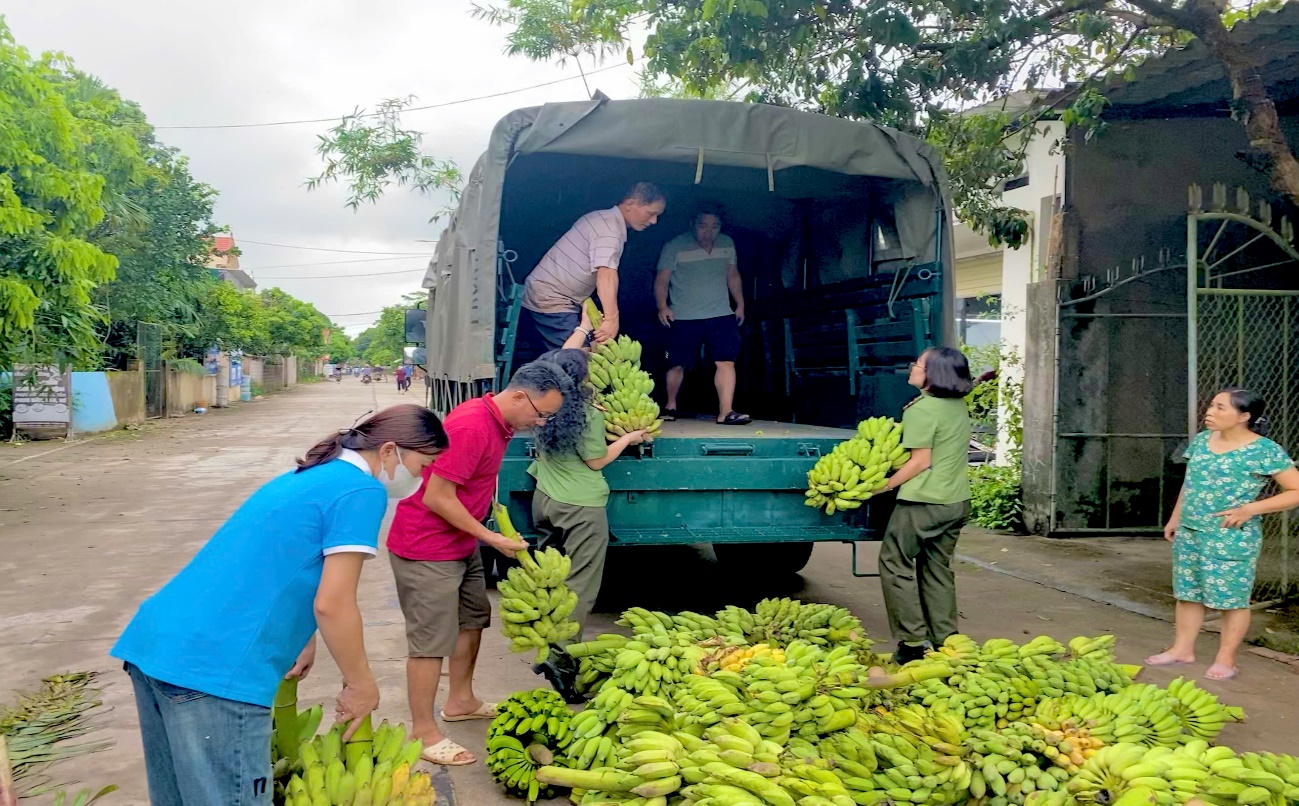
[409, 426]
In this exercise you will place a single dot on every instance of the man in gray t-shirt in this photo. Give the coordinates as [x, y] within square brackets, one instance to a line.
[697, 280]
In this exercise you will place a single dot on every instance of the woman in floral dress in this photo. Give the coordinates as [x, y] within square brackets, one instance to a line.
[1216, 528]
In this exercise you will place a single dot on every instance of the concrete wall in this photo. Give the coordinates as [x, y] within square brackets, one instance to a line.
[186, 391]
[103, 401]
[1127, 188]
[255, 368]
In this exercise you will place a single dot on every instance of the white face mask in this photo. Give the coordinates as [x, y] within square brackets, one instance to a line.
[403, 483]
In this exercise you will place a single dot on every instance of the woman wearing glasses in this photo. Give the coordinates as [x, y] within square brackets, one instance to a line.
[207, 652]
[1216, 528]
[433, 546]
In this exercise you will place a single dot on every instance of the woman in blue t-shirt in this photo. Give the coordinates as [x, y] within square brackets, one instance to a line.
[207, 652]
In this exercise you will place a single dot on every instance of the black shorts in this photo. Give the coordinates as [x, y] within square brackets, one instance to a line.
[720, 336]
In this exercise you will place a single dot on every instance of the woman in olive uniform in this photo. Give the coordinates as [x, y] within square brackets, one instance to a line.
[933, 504]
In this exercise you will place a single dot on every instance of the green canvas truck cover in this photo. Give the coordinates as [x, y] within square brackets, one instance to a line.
[462, 275]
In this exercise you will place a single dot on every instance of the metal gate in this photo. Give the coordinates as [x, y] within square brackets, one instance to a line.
[1243, 316]
[148, 344]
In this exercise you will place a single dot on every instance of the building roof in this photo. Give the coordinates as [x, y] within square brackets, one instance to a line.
[1188, 81]
[222, 243]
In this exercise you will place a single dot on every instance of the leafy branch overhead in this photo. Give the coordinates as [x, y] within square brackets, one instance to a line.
[917, 65]
[371, 151]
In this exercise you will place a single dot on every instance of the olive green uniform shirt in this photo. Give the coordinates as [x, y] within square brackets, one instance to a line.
[567, 478]
[941, 424]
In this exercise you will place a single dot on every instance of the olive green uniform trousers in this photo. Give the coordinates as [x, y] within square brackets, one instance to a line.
[583, 534]
[916, 570]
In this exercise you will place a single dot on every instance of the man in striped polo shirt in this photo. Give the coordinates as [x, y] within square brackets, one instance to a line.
[586, 260]
[697, 280]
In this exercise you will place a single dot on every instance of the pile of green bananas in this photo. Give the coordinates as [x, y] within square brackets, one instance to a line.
[536, 604]
[623, 389]
[850, 474]
[807, 717]
[374, 768]
[529, 729]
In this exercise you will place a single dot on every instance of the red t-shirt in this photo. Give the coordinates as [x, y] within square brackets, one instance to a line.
[478, 437]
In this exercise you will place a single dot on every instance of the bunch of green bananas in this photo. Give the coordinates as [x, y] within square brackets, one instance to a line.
[695, 627]
[514, 766]
[291, 727]
[1202, 714]
[536, 604]
[1249, 779]
[1160, 775]
[539, 716]
[1011, 764]
[850, 474]
[374, 768]
[595, 659]
[733, 764]
[593, 741]
[529, 729]
[811, 694]
[781, 621]
[649, 669]
[703, 700]
[623, 388]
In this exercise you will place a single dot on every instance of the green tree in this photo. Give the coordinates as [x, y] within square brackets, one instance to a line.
[551, 30]
[340, 348]
[387, 337]
[63, 167]
[161, 275]
[913, 64]
[370, 151]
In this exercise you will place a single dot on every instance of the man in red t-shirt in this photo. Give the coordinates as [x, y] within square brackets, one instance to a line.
[433, 547]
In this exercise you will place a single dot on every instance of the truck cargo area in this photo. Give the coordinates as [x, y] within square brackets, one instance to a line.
[842, 235]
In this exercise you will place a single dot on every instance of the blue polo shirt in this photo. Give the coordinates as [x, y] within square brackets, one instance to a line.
[234, 620]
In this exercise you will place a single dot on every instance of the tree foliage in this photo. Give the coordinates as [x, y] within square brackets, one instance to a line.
[63, 167]
[921, 65]
[371, 151]
[102, 227]
[384, 342]
[552, 30]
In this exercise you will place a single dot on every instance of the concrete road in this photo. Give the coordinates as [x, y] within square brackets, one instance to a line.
[89, 529]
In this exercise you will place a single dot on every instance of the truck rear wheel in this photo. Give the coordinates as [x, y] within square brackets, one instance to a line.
[766, 559]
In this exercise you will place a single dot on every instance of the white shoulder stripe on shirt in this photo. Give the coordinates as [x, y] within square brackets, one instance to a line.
[370, 550]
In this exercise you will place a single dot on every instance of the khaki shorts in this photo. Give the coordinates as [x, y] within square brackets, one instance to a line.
[439, 599]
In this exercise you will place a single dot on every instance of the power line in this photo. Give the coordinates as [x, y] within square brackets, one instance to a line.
[334, 263]
[359, 313]
[338, 276]
[411, 109]
[328, 249]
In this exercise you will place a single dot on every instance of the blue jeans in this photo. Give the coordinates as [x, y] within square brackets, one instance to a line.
[201, 750]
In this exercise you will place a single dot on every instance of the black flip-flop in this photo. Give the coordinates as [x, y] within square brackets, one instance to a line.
[735, 418]
[668, 415]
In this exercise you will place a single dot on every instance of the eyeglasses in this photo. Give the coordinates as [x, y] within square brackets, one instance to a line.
[547, 417]
[915, 364]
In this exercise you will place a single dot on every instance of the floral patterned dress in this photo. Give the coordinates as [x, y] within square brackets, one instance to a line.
[1213, 564]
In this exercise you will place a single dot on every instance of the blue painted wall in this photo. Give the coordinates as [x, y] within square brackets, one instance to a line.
[92, 409]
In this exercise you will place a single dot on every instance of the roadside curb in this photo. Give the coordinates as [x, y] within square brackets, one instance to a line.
[1291, 661]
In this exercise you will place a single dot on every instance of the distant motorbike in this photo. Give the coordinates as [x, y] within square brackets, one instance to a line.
[365, 379]
[338, 377]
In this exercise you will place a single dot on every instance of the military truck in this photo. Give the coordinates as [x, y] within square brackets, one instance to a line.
[843, 234]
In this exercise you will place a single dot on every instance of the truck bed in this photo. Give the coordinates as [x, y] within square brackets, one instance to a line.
[758, 429]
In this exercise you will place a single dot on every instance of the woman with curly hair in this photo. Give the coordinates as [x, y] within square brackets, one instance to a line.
[568, 508]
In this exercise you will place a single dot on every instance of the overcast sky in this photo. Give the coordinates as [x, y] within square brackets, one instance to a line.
[246, 61]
